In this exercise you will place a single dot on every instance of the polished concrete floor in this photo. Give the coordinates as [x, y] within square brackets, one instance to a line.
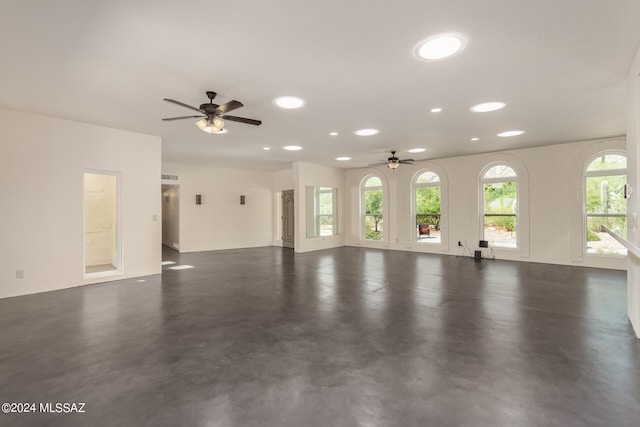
[343, 337]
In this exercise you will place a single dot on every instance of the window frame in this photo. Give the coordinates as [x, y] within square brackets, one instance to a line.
[333, 215]
[483, 181]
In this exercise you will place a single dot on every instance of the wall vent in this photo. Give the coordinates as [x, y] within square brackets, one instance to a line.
[172, 177]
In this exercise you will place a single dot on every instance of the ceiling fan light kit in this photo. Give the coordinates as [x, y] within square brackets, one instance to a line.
[393, 162]
[212, 121]
[210, 124]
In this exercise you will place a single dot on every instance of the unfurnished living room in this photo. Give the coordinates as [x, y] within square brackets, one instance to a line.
[296, 213]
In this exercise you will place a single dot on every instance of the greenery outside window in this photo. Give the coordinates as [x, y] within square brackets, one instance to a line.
[372, 208]
[605, 180]
[500, 207]
[427, 207]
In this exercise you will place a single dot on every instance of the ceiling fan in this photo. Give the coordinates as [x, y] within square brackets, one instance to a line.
[211, 114]
[393, 162]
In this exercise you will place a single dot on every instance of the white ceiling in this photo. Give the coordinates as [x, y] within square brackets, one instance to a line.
[559, 65]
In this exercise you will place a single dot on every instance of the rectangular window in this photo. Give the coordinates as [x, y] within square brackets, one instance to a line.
[102, 247]
[373, 214]
[325, 217]
[605, 207]
[428, 214]
[500, 214]
[321, 211]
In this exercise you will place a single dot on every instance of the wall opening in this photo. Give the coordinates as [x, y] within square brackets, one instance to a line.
[102, 241]
[171, 216]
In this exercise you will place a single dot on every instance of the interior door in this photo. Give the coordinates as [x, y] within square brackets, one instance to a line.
[287, 219]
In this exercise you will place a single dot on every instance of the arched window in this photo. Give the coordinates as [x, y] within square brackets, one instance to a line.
[605, 180]
[427, 200]
[500, 206]
[371, 202]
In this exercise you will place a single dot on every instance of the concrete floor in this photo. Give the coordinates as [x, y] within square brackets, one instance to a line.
[343, 337]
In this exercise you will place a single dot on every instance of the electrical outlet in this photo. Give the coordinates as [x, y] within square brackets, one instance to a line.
[19, 274]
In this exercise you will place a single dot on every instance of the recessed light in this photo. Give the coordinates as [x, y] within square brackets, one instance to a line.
[288, 102]
[439, 47]
[510, 133]
[436, 110]
[475, 138]
[366, 132]
[485, 107]
[417, 150]
[333, 133]
[292, 147]
[343, 159]
[267, 148]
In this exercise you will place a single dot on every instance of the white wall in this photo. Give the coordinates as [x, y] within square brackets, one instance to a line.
[221, 222]
[42, 165]
[548, 198]
[283, 180]
[306, 174]
[633, 141]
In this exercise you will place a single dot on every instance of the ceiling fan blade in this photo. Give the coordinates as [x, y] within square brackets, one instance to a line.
[184, 105]
[229, 106]
[183, 117]
[408, 161]
[242, 120]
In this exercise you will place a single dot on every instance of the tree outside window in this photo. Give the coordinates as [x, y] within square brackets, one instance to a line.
[605, 179]
[500, 206]
[325, 217]
[427, 208]
[372, 204]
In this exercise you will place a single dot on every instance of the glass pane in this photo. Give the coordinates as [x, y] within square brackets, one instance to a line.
[500, 171]
[374, 181]
[605, 194]
[373, 227]
[428, 200]
[373, 202]
[325, 202]
[428, 214]
[428, 228]
[500, 231]
[601, 242]
[501, 198]
[428, 177]
[326, 225]
[608, 161]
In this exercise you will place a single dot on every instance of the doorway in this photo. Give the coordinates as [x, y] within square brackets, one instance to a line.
[171, 216]
[287, 219]
[102, 240]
